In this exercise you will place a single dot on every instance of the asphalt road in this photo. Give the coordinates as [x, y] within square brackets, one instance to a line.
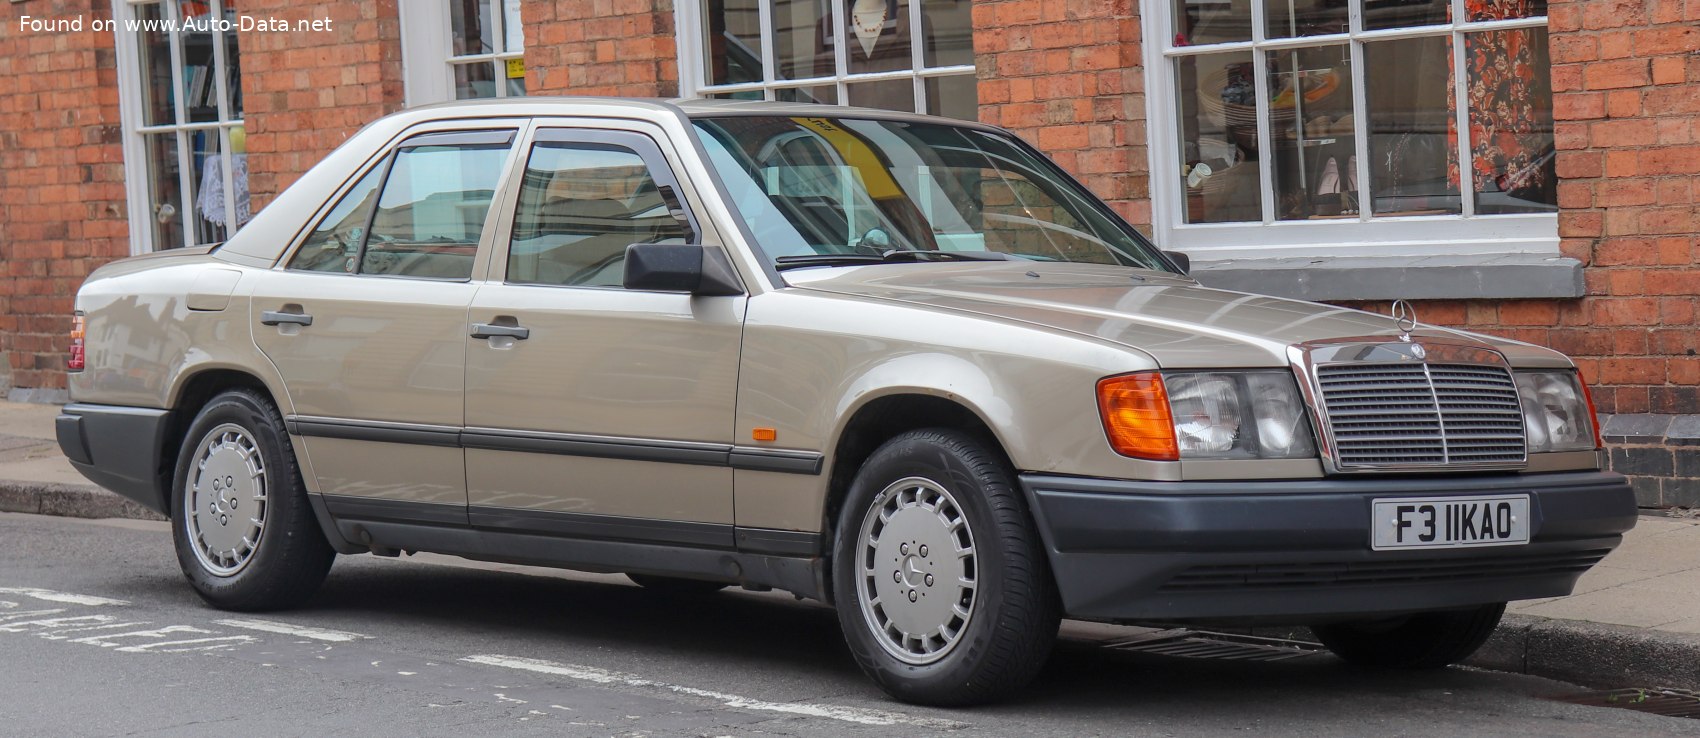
[100, 636]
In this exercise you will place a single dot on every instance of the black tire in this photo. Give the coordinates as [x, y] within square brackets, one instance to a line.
[1429, 640]
[676, 585]
[290, 557]
[1014, 606]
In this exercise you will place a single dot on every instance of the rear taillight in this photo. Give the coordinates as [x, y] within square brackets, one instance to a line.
[74, 362]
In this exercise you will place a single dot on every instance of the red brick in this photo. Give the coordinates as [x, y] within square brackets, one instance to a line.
[1616, 74]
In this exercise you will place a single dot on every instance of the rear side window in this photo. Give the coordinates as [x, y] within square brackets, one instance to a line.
[426, 218]
[583, 202]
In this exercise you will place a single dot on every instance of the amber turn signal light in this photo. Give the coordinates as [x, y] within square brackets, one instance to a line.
[764, 434]
[1135, 409]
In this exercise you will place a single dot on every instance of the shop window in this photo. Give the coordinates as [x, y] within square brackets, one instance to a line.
[462, 49]
[908, 55]
[1415, 127]
[186, 166]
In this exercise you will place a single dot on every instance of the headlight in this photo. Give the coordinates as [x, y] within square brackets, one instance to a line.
[1557, 414]
[1206, 415]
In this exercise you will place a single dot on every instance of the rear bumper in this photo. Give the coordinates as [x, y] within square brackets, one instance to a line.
[119, 448]
[1298, 551]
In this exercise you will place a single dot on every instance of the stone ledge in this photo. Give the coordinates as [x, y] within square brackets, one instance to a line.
[69, 501]
[1498, 276]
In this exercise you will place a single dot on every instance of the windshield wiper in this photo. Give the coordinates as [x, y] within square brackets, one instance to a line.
[886, 257]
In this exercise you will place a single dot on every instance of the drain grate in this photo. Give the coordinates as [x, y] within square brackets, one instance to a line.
[1198, 644]
[1667, 702]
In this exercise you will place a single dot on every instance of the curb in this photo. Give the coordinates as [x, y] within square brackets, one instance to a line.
[69, 501]
[1592, 654]
[1576, 651]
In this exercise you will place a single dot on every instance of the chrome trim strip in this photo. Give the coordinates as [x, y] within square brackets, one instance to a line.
[752, 458]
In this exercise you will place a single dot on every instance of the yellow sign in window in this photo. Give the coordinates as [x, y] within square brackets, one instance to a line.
[516, 68]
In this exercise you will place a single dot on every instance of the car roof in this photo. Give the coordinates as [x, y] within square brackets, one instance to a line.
[690, 107]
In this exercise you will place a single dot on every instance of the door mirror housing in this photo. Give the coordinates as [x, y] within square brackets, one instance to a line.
[680, 267]
[1181, 260]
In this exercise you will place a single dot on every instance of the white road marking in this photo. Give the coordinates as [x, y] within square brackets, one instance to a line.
[110, 640]
[603, 676]
[272, 626]
[54, 624]
[65, 597]
[221, 643]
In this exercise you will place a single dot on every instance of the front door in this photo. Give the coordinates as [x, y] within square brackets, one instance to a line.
[593, 410]
[366, 323]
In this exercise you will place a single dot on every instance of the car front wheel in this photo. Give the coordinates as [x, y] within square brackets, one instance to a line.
[1428, 640]
[940, 581]
[245, 534]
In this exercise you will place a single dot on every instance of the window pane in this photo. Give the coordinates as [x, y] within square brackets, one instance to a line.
[739, 95]
[580, 207]
[1406, 13]
[232, 63]
[165, 194]
[1206, 22]
[734, 41]
[1486, 10]
[470, 31]
[1413, 154]
[825, 94]
[335, 242]
[889, 94]
[1511, 142]
[801, 29]
[876, 36]
[513, 27]
[206, 187]
[948, 27]
[1219, 148]
[432, 211]
[474, 80]
[516, 86]
[158, 100]
[1291, 18]
[1311, 127]
[953, 97]
[200, 88]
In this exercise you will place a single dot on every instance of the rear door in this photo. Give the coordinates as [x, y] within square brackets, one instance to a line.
[366, 323]
[613, 415]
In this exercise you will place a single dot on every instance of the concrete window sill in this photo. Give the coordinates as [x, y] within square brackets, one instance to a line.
[1492, 276]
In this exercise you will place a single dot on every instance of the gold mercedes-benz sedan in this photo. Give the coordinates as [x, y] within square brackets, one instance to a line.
[903, 365]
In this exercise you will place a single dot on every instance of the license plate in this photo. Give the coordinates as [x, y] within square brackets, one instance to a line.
[1450, 522]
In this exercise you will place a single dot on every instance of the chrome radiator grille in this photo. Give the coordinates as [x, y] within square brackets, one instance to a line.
[1411, 414]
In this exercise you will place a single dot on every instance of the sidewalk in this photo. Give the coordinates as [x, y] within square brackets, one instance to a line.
[1634, 620]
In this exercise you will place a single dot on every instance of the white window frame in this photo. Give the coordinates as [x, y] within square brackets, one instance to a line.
[427, 66]
[1399, 236]
[137, 179]
[690, 23]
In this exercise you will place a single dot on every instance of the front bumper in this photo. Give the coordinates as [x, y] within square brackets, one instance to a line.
[120, 448]
[1297, 551]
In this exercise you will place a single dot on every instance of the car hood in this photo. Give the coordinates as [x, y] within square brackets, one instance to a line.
[1172, 318]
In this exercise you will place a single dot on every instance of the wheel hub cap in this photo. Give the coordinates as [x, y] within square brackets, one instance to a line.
[918, 573]
[225, 500]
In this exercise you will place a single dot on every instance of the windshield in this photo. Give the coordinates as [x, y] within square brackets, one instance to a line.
[811, 187]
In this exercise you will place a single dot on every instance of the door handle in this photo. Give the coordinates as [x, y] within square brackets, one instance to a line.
[487, 330]
[278, 317]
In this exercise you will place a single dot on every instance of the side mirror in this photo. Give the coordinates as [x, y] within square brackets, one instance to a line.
[1181, 260]
[680, 267]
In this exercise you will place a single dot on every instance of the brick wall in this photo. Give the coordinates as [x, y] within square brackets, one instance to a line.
[609, 47]
[61, 181]
[1066, 75]
[306, 92]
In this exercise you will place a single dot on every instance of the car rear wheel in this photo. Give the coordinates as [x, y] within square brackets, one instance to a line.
[1428, 640]
[676, 585]
[245, 534]
[940, 580]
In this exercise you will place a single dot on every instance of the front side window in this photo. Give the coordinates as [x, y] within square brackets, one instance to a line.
[808, 187]
[908, 55]
[425, 221]
[180, 64]
[581, 205]
[1355, 113]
